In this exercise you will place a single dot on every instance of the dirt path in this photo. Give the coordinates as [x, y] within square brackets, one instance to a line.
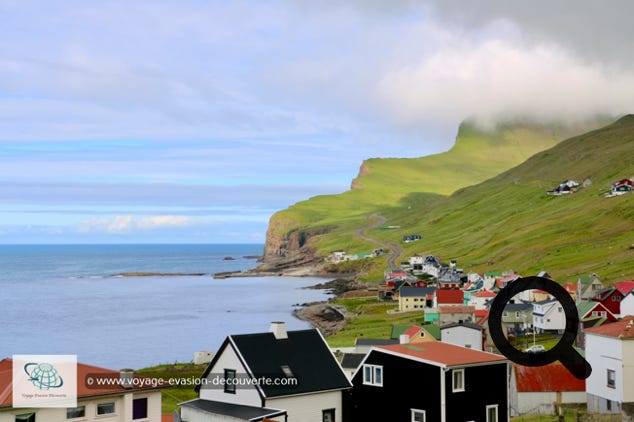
[395, 250]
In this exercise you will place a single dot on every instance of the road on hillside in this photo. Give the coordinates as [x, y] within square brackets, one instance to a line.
[395, 250]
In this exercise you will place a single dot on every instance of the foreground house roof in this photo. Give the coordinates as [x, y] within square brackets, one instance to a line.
[623, 329]
[304, 352]
[238, 411]
[442, 354]
[549, 378]
[83, 391]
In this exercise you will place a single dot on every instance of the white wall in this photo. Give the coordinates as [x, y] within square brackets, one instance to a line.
[123, 410]
[247, 395]
[627, 305]
[189, 414]
[628, 370]
[604, 353]
[308, 407]
[462, 336]
[542, 402]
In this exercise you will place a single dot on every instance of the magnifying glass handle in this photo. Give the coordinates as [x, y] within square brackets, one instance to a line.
[576, 364]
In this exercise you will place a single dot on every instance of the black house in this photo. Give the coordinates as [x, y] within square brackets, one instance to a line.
[453, 384]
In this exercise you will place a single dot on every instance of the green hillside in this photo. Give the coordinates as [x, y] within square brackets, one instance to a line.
[385, 182]
[395, 187]
[510, 222]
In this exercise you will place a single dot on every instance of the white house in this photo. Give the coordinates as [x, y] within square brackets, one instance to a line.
[548, 315]
[139, 401]
[610, 352]
[480, 299]
[541, 389]
[627, 304]
[290, 375]
[465, 334]
[416, 298]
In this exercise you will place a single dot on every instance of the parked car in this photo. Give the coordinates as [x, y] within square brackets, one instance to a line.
[536, 348]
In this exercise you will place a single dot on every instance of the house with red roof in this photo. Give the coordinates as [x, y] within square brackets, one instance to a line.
[455, 313]
[481, 299]
[541, 389]
[138, 398]
[610, 352]
[625, 287]
[449, 297]
[457, 384]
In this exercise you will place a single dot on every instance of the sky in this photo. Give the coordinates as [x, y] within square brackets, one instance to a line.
[194, 121]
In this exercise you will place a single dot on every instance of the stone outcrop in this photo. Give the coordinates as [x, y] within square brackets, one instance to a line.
[364, 170]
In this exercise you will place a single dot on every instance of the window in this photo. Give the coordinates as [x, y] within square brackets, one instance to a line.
[457, 380]
[418, 415]
[492, 413]
[608, 405]
[25, 417]
[373, 375]
[76, 412]
[328, 415]
[560, 309]
[105, 408]
[517, 314]
[230, 383]
[611, 378]
[139, 408]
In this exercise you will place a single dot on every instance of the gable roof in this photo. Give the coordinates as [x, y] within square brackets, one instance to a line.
[412, 331]
[416, 291]
[623, 329]
[374, 341]
[552, 377]
[83, 390]
[447, 296]
[305, 352]
[398, 329]
[441, 354]
[238, 411]
[484, 293]
[603, 294]
[467, 324]
[352, 360]
[625, 287]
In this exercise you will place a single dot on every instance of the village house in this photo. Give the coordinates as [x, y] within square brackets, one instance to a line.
[455, 313]
[517, 317]
[464, 334]
[132, 401]
[621, 187]
[420, 334]
[306, 381]
[350, 362]
[625, 287]
[481, 299]
[431, 266]
[449, 297]
[591, 314]
[363, 345]
[459, 384]
[416, 298]
[611, 298]
[549, 316]
[542, 389]
[589, 286]
[610, 352]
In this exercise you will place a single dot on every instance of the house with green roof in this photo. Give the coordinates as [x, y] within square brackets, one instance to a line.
[589, 286]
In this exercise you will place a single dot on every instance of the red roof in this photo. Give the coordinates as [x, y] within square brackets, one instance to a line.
[625, 287]
[570, 287]
[83, 391]
[551, 377]
[442, 353]
[623, 329]
[621, 182]
[481, 315]
[449, 296]
[167, 417]
[456, 309]
[412, 331]
[484, 293]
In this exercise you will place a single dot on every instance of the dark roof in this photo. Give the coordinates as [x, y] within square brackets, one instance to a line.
[239, 411]
[375, 341]
[352, 360]
[305, 352]
[518, 306]
[416, 291]
[546, 301]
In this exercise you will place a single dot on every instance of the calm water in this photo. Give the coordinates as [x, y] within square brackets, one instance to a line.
[67, 299]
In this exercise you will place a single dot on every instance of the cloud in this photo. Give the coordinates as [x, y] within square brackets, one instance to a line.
[122, 224]
[497, 80]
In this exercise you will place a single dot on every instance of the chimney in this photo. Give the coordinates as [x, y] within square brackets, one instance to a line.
[278, 328]
[126, 376]
[403, 339]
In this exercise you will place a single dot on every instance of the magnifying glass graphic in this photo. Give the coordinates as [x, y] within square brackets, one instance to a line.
[562, 351]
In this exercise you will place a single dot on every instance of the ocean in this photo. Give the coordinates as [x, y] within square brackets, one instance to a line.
[71, 299]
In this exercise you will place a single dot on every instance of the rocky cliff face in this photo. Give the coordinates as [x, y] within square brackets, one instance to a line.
[356, 183]
[288, 245]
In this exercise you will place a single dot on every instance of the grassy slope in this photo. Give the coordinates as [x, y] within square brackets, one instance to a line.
[393, 184]
[509, 221]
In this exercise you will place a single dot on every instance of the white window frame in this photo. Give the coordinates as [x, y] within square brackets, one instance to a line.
[613, 372]
[497, 413]
[374, 370]
[457, 388]
[420, 412]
